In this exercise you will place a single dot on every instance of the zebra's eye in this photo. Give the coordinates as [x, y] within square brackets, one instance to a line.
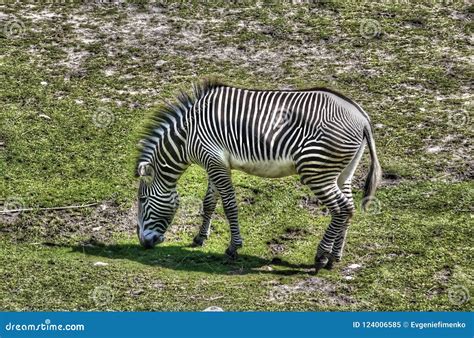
[146, 172]
[148, 179]
[142, 199]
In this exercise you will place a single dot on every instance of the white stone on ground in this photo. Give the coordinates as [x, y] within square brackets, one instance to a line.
[213, 309]
[354, 266]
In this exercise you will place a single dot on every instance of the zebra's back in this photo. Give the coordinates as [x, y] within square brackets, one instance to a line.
[260, 132]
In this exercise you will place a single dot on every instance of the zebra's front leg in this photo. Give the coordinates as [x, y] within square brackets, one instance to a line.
[230, 209]
[208, 208]
[220, 177]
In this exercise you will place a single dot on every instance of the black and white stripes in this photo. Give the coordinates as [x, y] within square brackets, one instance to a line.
[316, 133]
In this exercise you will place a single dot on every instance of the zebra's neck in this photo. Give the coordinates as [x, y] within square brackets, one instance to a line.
[165, 150]
[164, 144]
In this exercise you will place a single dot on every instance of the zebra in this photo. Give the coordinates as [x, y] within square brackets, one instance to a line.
[316, 133]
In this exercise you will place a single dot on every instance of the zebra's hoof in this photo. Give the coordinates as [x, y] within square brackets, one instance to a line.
[198, 241]
[320, 263]
[231, 254]
[332, 259]
[318, 266]
[329, 265]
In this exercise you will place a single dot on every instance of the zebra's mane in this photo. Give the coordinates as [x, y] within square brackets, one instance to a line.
[170, 111]
[183, 102]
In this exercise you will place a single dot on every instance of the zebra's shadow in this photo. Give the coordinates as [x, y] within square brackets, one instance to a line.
[185, 258]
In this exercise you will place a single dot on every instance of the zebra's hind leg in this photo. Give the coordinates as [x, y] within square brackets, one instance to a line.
[344, 182]
[341, 211]
[340, 241]
[330, 248]
[208, 208]
[220, 177]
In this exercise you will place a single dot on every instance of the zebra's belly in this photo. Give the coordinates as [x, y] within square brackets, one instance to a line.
[270, 168]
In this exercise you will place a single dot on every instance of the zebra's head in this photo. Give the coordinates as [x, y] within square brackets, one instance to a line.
[156, 207]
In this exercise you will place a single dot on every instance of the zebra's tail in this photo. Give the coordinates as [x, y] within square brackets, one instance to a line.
[375, 172]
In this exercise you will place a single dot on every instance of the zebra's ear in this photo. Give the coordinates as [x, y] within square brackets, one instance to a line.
[145, 169]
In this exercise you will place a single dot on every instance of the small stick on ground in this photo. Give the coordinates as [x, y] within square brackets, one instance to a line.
[52, 208]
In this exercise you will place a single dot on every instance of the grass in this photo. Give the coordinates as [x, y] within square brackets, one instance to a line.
[80, 80]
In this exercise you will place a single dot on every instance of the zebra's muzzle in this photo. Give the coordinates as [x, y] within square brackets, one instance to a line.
[150, 239]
